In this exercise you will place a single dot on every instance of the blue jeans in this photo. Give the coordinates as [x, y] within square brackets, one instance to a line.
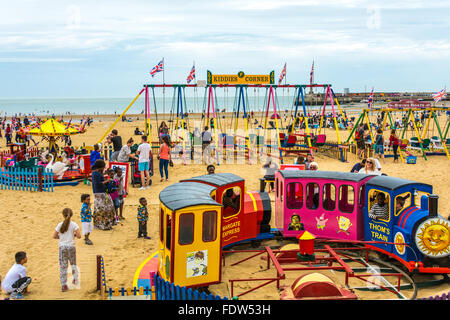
[164, 163]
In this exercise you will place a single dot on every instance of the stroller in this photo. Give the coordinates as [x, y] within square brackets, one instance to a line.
[136, 174]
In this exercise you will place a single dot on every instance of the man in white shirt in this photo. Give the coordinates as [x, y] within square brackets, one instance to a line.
[206, 141]
[144, 151]
[16, 280]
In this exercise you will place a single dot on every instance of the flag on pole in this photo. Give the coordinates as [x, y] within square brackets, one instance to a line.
[191, 75]
[439, 95]
[158, 68]
[311, 74]
[371, 99]
[282, 75]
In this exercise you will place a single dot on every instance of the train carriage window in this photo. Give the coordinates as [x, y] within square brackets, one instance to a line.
[186, 228]
[418, 197]
[209, 226]
[168, 232]
[362, 195]
[312, 195]
[161, 225]
[231, 201]
[379, 205]
[346, 198]
[294, 195]
[277, 186]
[402, 201]
[281, 191]
[329, 197]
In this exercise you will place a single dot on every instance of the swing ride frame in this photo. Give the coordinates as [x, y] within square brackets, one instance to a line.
[409, 114]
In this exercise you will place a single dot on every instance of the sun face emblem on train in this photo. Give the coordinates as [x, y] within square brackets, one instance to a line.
[433, 237]
[399, 238]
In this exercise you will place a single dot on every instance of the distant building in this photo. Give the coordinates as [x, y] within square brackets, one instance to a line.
[346, 91]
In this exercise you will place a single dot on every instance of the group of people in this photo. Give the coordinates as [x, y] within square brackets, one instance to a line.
[364, 142]
[271, 168]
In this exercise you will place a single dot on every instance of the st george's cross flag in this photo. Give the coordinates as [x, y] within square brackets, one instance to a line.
[158, 68]
[191, 75]
[282, 75]
[439, 95]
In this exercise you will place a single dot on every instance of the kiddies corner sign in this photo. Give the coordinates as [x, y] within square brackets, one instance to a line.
[240, 78]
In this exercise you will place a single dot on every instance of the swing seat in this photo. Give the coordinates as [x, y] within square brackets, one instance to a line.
[414, 143]
[291, 141]
[436, 143]
[426, 143]
[319, 140]
[404, 144]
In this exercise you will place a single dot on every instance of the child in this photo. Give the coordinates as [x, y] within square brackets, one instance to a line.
[142, 217]
[86, 218]
[121, 191]
[379, 145]
[211, 169]
[66, 232]
[113, 191]
[16, 280]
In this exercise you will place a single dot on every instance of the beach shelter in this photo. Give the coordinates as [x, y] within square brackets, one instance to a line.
[52, 129]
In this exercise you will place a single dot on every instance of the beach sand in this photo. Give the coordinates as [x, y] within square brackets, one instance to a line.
[28, 220]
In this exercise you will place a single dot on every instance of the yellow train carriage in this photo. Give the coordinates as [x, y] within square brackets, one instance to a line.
[190, 242]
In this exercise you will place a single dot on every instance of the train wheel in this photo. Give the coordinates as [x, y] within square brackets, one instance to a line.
[255, 243]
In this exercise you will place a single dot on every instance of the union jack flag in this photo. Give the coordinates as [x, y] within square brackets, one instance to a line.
[311, 74]
[439, 95]
[191, 75]
[370, 99]
[158, 68]
[282, 75]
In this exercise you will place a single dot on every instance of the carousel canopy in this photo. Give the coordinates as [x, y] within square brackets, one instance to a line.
[53, 127]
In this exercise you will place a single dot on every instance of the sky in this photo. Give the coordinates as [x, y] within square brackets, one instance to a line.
[90, 49]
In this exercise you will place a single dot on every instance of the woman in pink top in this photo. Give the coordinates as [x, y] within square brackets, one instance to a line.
[164, 157]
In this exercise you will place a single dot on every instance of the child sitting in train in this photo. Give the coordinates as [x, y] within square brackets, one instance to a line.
[300, 160]
[380, 209]
[399, 204]
[230, 203]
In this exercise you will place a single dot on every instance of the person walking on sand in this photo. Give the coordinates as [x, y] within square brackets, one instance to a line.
[103, 205]
[144, 152]
[66, 232]
[164, 157]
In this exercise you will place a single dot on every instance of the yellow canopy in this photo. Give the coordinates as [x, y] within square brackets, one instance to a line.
[53, 127]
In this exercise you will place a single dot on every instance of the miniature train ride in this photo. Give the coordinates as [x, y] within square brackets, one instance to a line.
[203, 216]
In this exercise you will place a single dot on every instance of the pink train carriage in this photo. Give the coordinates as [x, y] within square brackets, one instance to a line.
[328, 204]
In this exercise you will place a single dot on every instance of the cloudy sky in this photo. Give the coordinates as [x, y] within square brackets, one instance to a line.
[107, 48]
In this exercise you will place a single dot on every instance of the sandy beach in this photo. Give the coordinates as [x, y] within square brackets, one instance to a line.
[28, 220]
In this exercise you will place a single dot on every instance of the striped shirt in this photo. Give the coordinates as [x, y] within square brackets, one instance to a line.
[379, 212]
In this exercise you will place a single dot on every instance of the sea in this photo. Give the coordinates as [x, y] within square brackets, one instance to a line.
[107, 106]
